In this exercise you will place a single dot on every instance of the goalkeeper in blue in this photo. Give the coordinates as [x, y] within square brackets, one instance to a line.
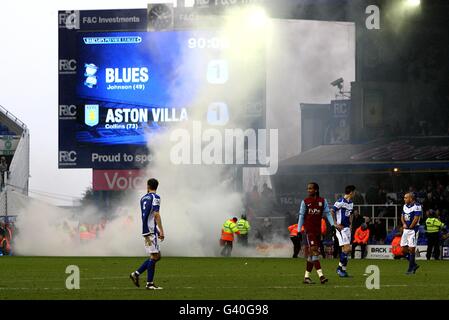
[152, 231]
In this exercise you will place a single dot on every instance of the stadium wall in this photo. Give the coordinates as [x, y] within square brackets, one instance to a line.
[20, 166]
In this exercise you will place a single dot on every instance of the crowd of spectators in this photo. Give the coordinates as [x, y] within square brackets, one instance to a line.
[431, 193]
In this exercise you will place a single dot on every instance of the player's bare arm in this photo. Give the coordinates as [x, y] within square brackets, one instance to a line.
[158, 219]
[414, 222]
[337, 226]
[404, 225]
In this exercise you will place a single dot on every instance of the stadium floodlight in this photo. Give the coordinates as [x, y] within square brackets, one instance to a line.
[257, 17]
[247, 29]
[412, 3]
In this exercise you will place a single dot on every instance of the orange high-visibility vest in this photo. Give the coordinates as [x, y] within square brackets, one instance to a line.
[396, 246]
[361, 236]
[8, 246]
[228, 230]
[84, 233]
[293, 229]
[323, 227]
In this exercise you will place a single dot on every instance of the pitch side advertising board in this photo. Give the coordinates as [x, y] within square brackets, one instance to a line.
[118, 180]
[384, 252]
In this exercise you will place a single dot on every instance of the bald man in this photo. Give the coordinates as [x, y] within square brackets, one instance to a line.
[411, 213]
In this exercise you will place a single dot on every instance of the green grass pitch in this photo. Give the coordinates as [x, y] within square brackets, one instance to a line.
[216, 278]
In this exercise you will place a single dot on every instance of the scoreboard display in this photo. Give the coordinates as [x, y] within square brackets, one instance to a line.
[123, 85]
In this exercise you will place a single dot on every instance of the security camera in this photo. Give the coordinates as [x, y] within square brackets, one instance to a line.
[337, 83]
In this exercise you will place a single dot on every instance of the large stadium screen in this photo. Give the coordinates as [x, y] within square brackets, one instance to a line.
[130, 86]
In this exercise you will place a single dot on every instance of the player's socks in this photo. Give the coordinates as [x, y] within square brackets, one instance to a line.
[151, 268]
[345, 263]
[339, 268]
[317, 264]
[309, 266]
[307, 274]
[342, 259]
[143, 267]
[411, 262]
[320, 272]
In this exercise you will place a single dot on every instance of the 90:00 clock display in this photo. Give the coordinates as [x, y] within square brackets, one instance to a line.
[208, 43]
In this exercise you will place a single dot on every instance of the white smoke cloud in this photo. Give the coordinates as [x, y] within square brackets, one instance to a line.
[196, 199]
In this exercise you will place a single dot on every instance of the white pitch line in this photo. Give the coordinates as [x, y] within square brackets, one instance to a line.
[237, 287]
[133, 288]
[106, 278]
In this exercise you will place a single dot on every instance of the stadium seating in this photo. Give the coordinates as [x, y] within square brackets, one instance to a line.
[4, 131]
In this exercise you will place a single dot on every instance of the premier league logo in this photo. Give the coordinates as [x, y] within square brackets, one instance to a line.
[90, 74]
[91, 114]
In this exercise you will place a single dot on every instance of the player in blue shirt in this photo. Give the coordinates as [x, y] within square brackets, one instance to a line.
[411, 213]
[341, 212]
[151, 231]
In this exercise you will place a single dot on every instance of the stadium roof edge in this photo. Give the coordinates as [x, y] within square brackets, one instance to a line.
[405, 153]
[11, 121]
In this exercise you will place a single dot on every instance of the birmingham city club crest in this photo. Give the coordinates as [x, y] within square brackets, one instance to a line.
[91, 114]
[90, 74]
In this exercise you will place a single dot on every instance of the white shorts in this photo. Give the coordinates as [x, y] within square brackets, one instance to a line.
[343, 236]
[152, 247]
[409, 238]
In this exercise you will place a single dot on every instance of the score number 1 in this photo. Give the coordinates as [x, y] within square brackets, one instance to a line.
[217, 71]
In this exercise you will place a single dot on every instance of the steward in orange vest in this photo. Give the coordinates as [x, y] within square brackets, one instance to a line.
[227, 236]
[396, 249]
[295, 237]
[84, 233]
[323, 227]
[361, 237]
[5, 246]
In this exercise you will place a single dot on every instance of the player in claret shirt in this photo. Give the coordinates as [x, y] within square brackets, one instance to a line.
[312, 210]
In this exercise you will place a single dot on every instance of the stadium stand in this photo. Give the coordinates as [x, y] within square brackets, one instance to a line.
[15, 148]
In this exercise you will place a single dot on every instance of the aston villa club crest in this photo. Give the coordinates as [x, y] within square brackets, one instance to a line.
[91, 114]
